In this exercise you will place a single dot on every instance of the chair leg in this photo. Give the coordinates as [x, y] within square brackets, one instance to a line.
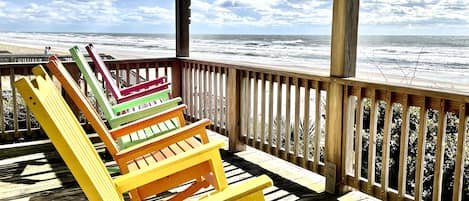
[219, 176]
[135, 195]
[191, 190]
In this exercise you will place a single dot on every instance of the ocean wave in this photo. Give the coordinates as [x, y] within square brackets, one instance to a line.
[442, 55]
[288, 42]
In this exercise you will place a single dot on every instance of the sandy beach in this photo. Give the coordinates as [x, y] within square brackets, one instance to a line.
[22, 49]
[18, 49]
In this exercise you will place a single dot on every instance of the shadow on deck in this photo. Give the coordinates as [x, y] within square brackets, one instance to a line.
[34, 171]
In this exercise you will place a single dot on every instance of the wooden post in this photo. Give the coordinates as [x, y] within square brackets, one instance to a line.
[183, 14]
[234, 110]
[176, 78]
[343, 59]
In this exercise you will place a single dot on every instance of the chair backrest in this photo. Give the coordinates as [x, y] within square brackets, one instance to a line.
[99, 64]
[68, 137]
[93, 82]
[80, 100]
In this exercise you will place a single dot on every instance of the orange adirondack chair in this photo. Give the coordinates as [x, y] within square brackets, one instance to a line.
[154, 150]
[72, 143]
[72, 88]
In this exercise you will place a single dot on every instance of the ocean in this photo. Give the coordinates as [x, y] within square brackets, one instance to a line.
[403, 59]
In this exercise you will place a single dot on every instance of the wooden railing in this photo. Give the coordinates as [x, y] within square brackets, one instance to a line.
[15, 119]
[279, 126]
[391, 134]
[17, 122]
[408, 131]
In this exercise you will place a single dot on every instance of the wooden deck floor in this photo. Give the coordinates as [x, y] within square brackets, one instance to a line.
[34, 171]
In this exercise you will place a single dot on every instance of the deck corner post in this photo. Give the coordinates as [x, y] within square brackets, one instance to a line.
[343, 62]
[183, 14]
[176, 78]
[234, 110]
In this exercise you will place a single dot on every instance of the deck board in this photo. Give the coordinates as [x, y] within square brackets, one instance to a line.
[36, 172]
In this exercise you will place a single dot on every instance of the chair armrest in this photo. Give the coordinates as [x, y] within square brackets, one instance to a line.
[252, 187]
[149, 121]
[138, 94]
[143, 85]
[161, 95]
[168, 167]
[145, 112]
[160, 142]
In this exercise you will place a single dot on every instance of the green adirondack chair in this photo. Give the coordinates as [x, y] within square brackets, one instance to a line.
[124, 112]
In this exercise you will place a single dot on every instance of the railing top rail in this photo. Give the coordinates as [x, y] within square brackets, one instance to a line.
[288, 71]
[297, 72]
[446, 94]
[141, 60]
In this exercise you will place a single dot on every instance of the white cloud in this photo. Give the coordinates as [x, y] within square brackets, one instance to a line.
[150, 15]
[88, 12]
[414, 11]
[262, 12]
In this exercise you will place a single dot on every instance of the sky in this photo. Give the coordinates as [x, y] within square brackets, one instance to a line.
[305, 17]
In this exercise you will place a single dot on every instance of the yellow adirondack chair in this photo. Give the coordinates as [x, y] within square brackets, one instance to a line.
[71, 141]
[143, 154]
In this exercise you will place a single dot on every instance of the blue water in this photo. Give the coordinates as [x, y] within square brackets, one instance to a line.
[404, 59]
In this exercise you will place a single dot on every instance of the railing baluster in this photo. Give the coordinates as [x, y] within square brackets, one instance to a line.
[460, 155]
[317, 122]
[202, 89]
[304, 160]
[183, 90]
[206, 94]
[28, 113]
[271, 113]
[386, 144]
[201, 92]
[2, 115]
[296, 124]
[440, 149]
[404, 142]
[216, 86]
[287, 118]
[137, 71]
[279, 115]
[247, 105]
[372, 142]
[262, 134]
[348, 126]
[127, 74]
[225, 84]
[255, 110]
[191, 91]
[197, 90]
[421, 150]
[118, 75]
[147, 71]
[210, 92]
[358, 137]
[220, 88]
[15, 103]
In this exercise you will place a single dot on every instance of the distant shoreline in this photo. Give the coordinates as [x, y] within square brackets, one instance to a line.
[61, 49]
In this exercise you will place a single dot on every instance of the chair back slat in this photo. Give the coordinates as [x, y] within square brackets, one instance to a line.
[99, 64]
[93, 82]
[68, 137]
